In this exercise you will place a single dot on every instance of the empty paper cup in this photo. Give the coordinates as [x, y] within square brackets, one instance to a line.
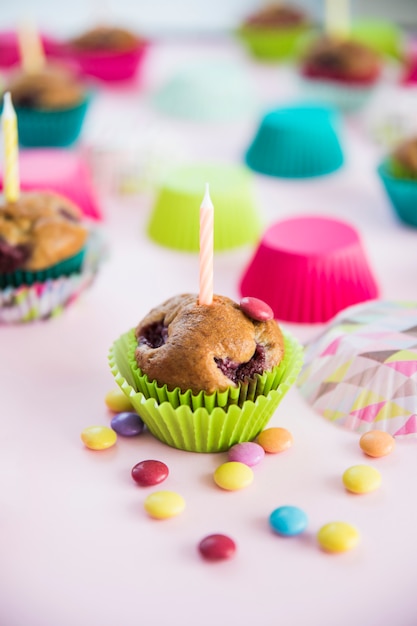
[308, 269]
[296, 142]
[207, 91]
[62, 171]
[175, 218]
[360, 372]
[402, 193]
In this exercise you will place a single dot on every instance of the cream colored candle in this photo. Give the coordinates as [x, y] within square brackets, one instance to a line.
[206, 249]
[337, 18]
[32, 54]
[11, 185]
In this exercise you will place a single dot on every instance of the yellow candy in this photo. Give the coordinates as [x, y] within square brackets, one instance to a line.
[164, 504]
[98, 437]
[338, 537]
[117, 401]
[361, 479]
[233, 476]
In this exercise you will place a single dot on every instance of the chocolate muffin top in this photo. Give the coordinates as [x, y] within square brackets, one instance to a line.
[52, 88]
[105, 38]
[38, 231]
[276, 16]
[405, 156]
[205, 348]
[341, 58]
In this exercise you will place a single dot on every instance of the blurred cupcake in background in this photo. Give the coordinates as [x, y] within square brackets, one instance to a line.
[398, 173]
[383, 36]
[272, 33]
[340, 72]
[109, 53]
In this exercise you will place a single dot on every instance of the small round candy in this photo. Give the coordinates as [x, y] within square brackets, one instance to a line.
[274, 440]
[377, 443]
[117, 401]
[217, 547]
[164, 504]
[148, 473]
[127, 424]
[98, 437]
[361, 479]
[233, 476]
[248, 452]
[338, 537]
[288, 520]
[256, 309]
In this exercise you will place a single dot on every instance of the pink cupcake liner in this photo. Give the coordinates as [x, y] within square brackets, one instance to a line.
[308, 269]
[109, 66]
[62, 171]
[9, 48]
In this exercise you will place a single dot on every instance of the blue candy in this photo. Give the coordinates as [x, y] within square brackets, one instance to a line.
[127, 424]
[288, 521]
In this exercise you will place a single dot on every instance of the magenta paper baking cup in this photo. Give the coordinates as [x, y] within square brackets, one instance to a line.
[361, 371]
[111, 66]
[9, 48]
[63, 171]
[309, 268]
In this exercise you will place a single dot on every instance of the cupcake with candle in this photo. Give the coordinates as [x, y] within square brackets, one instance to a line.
[109, 53]
[398, 173]
[202, 371]
[339, 71]
[272, 33]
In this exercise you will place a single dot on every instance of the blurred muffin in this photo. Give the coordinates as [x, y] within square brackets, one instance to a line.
[110, 38]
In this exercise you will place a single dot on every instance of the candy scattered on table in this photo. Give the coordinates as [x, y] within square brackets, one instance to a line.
[288, 521]
[248, 452]
[217, 547]
[275, 439]
[256, 309]
[233, 476]
[377, 443]
[361, 479]
[338, 537]
[150, 472]
[98, 437]
[164, 504]
[117, 401]
[127, 424]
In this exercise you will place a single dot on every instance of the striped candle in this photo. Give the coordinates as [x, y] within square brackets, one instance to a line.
[206, 249]
[11, 183]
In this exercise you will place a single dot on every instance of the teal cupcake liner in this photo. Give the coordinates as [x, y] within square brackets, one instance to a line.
[51, 128]
[271, 44]
[402, 193]
[66, 267]
[196, 422]
[345, 97]
[296, 142]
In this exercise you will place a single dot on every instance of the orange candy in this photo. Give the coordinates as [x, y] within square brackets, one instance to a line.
[274, 440]
[377, 443]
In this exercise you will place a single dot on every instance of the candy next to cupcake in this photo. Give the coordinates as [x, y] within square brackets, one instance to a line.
[202, 371]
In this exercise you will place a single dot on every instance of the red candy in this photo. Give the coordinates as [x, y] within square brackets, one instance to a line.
[256, 309]
[217, 547]
[147, 473]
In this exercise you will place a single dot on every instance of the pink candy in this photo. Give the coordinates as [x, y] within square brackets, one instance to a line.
[256, 309]
[247, 452]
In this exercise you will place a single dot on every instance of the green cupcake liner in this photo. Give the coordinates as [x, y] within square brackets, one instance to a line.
[66, 267]
[271, 44]
[204, 423]
[384, 37]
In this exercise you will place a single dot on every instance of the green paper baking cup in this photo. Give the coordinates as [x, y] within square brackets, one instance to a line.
[66, 267]
[175, 217]
[271, 44]
[384, 37]
[204, 423]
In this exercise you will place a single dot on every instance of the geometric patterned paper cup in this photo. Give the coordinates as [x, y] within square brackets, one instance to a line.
[197, 423]
[361, 373]
[308, 268]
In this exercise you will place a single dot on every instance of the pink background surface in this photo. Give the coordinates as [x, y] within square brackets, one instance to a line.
[76, 544]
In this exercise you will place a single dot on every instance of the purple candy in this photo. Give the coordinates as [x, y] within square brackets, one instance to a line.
[256, 309]
[248, 452]
[127, 424]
